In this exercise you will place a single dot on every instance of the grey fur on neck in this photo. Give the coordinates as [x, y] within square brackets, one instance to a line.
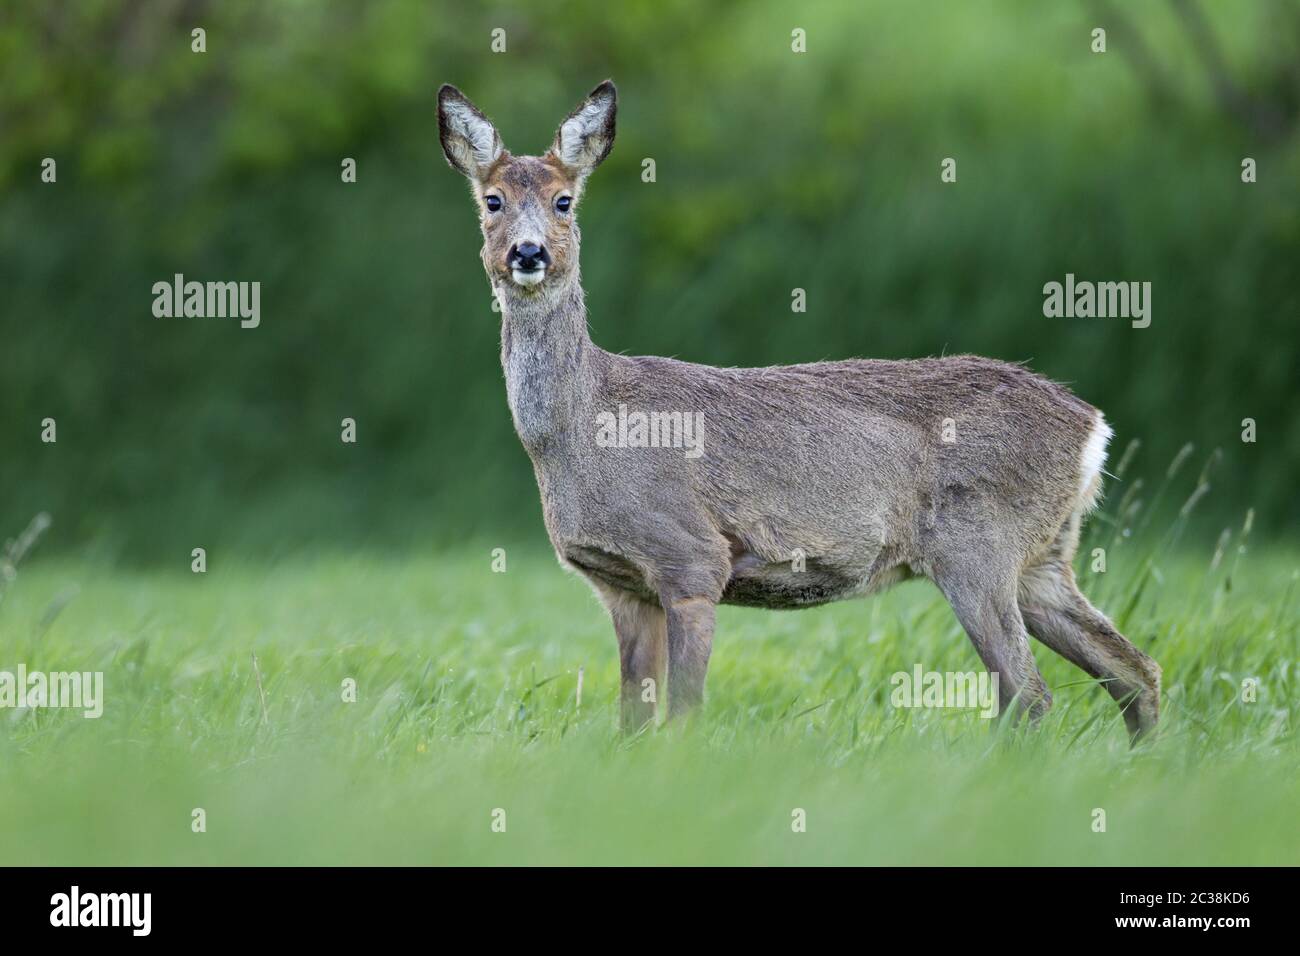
[544, 352]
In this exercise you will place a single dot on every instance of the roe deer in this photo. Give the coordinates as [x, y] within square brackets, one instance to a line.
[808, 483]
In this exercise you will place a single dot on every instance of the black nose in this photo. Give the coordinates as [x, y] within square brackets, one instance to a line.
[527, 256]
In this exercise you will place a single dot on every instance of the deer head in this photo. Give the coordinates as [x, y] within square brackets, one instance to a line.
[528, 204]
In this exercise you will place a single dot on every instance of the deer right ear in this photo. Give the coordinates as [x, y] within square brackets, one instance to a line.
[469, 140]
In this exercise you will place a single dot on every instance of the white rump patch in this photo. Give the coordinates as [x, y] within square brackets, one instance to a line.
[1091, 462]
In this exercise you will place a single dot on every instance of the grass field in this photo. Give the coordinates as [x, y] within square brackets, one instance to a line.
[466, 685]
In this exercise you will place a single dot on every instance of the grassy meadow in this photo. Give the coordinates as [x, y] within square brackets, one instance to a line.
[466, 704]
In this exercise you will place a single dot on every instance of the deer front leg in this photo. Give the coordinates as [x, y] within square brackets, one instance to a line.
[690, 640]
[642, 648]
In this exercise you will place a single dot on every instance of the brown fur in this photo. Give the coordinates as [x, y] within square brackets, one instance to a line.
[518, 181]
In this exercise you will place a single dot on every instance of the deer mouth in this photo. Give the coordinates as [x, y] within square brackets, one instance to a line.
[527, 278]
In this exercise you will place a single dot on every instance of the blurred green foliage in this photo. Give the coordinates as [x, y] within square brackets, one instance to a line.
[775, 170]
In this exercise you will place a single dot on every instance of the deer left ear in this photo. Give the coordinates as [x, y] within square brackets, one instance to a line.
[585, 138]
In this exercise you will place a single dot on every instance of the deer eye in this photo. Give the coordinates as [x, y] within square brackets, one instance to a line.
[493, 203]
[563, 203]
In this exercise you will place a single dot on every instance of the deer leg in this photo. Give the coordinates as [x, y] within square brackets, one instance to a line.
[1063, 619]
[992, 620]
[690, 641]
[642, 648]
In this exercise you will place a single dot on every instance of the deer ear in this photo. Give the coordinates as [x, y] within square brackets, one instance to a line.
[587, 135]
[469, 140]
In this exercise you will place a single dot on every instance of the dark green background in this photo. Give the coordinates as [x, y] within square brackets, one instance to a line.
[775, 171]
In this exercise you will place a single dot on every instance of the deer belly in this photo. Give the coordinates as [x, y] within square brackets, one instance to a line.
[782, 587]
[777, 586]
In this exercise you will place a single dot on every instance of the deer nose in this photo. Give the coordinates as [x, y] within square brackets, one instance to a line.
[527, 256]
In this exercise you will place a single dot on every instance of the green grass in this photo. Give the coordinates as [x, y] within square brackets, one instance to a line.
[466, 703]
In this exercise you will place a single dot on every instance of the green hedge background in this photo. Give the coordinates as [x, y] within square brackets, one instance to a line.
[775, 170]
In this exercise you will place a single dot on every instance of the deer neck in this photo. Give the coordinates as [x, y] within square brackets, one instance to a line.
[545, 352]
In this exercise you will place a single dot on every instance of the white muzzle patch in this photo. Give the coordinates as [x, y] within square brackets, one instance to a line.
[528, 279]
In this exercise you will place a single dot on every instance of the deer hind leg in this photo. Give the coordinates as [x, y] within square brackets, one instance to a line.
[1063, 619]
[986, 607]
[642, 630]
[1058, 614]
